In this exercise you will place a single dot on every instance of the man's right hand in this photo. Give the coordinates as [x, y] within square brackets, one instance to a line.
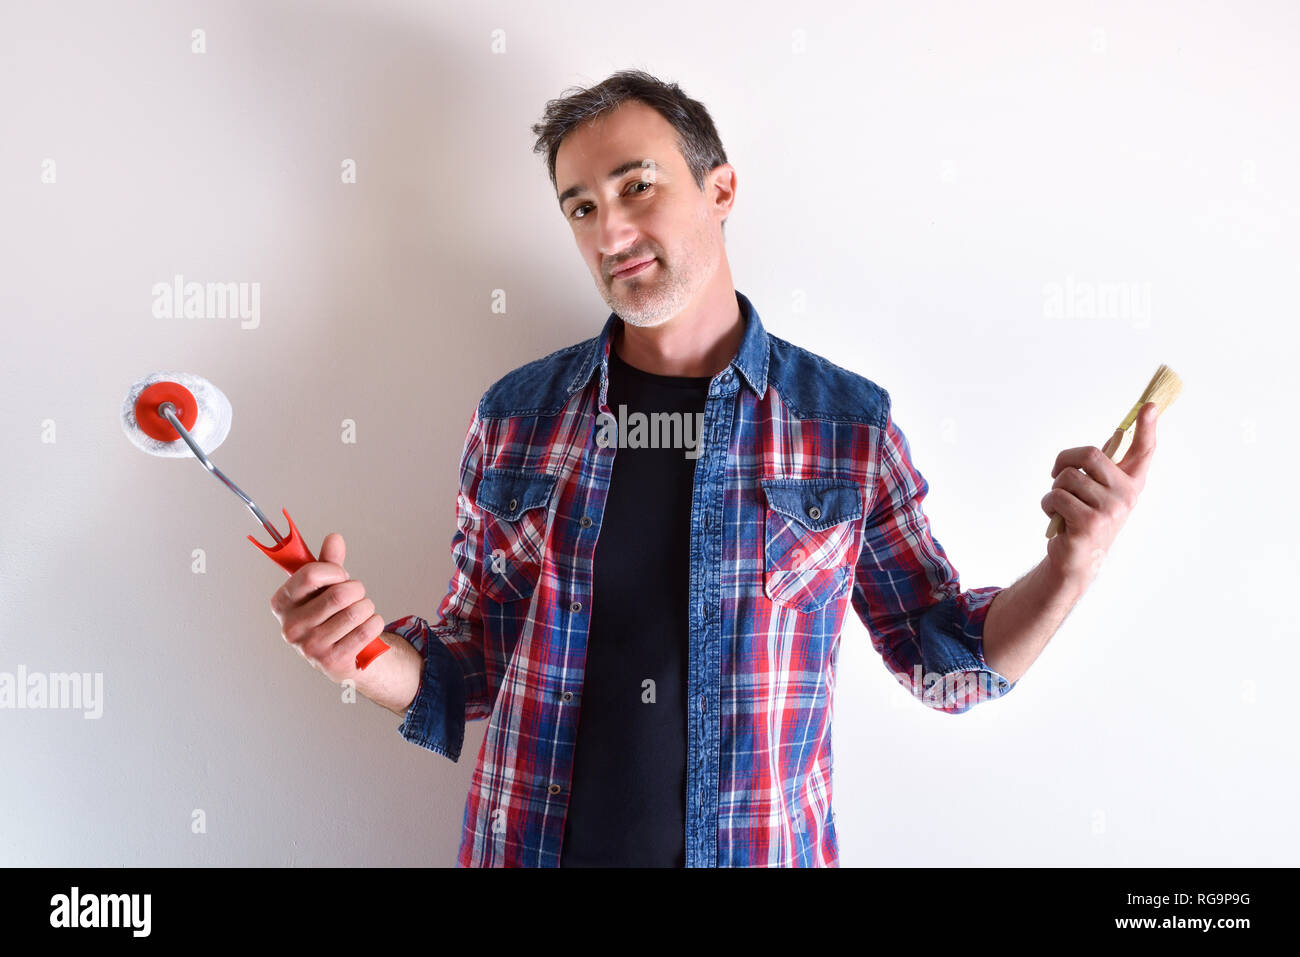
[325, 615]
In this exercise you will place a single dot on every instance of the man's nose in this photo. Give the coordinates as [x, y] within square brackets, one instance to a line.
[617, 235]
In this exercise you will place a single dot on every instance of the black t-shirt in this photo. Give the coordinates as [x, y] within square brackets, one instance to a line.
[627, 806]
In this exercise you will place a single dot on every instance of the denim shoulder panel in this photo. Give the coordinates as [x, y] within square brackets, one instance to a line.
[813, 387]
[539, 387]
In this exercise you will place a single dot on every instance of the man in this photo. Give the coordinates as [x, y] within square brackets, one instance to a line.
[651, 627]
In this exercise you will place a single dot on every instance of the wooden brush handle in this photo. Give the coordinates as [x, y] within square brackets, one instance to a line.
[1057, 524]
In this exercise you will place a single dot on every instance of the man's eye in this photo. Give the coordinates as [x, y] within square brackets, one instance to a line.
[639, 182]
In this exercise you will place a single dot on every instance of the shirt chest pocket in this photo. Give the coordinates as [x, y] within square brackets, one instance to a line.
[810, 540]
[517, 514]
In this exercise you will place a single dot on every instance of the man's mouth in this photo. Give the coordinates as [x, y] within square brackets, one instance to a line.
[624, 272]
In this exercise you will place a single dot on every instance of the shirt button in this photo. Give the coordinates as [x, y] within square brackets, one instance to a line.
[814, 513]
[704, 703]
[567, 696]
[586, 521]
[554, 789]
[575, 606]
[726, 376]
[513, 503]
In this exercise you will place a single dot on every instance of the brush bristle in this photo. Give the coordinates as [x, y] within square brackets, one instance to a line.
[1163, 388]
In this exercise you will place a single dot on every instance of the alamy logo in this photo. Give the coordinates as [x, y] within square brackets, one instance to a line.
[56, 690]
[102, 910]
[1083, 299]
[656, 430]
[179, 299]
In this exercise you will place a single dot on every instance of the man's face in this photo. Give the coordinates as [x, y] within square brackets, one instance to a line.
[651, 209]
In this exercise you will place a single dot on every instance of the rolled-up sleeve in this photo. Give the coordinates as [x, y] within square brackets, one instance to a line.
[453, 685]
[436, 717]
[928, 632]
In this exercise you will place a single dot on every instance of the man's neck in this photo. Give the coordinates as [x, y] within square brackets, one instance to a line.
[700, 341]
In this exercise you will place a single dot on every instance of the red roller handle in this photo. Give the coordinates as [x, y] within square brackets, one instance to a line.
[291, 554]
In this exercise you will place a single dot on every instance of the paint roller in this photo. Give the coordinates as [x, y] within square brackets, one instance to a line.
[174, 414]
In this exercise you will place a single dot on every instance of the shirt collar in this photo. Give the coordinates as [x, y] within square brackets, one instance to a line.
[750, 359]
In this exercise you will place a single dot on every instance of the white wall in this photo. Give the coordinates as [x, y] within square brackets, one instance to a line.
[920, 175]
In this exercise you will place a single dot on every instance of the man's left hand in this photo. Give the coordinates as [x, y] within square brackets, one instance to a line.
[1095, 496]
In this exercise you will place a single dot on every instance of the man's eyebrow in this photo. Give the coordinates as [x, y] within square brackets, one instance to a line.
[615, 173]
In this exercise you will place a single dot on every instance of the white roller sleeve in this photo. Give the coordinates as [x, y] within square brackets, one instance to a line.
[210, 428]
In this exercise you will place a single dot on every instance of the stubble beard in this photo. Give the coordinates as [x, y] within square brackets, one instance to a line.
[666, 291]
[651, 301]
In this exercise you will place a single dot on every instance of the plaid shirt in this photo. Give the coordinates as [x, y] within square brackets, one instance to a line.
[805, 502]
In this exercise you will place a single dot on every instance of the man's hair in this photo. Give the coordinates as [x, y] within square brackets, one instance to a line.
[697, 138]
